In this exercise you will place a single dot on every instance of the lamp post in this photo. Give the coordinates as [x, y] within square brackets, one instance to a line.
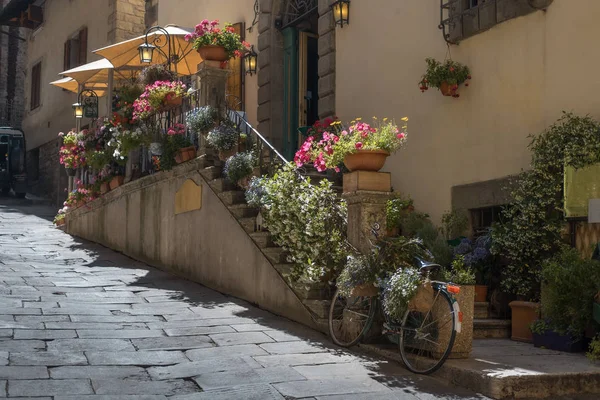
[250, 62]
[87, 105]
[341, 12]
[157, 43]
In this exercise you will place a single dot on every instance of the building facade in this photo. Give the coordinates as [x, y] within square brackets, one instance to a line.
[70, 31]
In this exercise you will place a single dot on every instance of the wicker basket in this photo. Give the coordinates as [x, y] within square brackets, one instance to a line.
[423, 299]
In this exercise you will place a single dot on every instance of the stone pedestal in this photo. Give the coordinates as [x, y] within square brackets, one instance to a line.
[366, 206]
[463, 343]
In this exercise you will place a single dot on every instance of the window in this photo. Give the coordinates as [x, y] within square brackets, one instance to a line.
[483, 218]
[235, 81]
[76, 50]
[464, 18]
[36, 88]
[33, 164]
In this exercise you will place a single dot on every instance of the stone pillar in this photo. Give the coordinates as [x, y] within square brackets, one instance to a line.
[213, 86]
[366, 194]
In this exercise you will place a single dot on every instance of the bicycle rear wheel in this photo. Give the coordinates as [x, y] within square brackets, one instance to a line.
[350, 318]
[427, 334]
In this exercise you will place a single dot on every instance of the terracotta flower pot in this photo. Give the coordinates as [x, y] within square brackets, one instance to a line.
[365, 290]
[225, 154]
[60, 222]
[523, 314]
[104, 188]
[366, 160]
[447, 89]
[481, 293]
[213, 53]
[172, 102]
[116, 182]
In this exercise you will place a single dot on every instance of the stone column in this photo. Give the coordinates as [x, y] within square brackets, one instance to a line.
[366, 194]
[213, 86]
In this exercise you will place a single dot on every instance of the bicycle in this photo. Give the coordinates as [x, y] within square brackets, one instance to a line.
[425, 335]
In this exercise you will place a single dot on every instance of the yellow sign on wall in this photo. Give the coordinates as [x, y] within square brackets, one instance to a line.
[188, 197]
[581, 185]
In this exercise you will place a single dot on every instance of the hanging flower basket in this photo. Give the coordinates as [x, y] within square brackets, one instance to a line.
[366, 160]
[365, 290]
[172, 101]
[213, 53]
[447, 89]
[71, 171]
[116, 182]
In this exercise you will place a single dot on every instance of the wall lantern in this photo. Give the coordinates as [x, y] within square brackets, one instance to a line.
[341, 12]
[78, 110]
[146, 52]
[250, 62]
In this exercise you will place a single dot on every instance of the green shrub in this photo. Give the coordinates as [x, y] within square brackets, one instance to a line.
[419, 225]
[454, 224]
[395, 210]
[594, 349]
[459, 272]
[239, 166]
[203, 119]
[223, 137]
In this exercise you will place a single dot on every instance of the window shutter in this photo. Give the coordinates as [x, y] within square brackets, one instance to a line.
[83, 37]
[235, 81]
[67, 55]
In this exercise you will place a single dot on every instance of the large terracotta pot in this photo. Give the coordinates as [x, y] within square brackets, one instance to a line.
[481, 292]
[213, 53]
[366, 160]
[523, 314]
[116, 182]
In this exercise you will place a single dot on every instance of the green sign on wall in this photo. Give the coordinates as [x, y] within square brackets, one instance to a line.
[581, 185]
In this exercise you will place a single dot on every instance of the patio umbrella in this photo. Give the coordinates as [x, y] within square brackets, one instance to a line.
[93, 72]
[71, 85]
[127, 54]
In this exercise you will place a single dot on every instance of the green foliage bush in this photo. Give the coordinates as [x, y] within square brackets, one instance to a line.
[419, 225]
[459, 272]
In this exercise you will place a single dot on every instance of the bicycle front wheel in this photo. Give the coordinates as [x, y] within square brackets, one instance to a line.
[350, 318]
[427, 334]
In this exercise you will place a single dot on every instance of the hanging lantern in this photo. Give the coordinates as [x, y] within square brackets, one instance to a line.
[341, 12]
[250, 62]
[146, 52]
[78, 110]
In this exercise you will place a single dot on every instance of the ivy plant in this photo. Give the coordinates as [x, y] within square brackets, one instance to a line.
[532, 226]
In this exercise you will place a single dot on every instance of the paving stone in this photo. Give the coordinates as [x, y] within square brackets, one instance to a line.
[201, 330]
[20, 311]
[75, 310]
[112, 397]
[3, 388]
[49, 387]
[199, 323]
[225, 351]
[249, 327]
[299, 389]
[21, 372]
[189, 369]
[131, 386]
[136, 358]
[329, 371]
[3, 357]
[44, 334]
[216, 380]
[228, 339]
[48, 358]
[90, 345]
[6, 332]
[303, 359]
[394, 395]
[21, 345]
[119, 334]
[247, 392]
[115, 318]
[98, 372]
[173, 343]
[292, 348]
[21, 325]
[95, 326]
[42, 318]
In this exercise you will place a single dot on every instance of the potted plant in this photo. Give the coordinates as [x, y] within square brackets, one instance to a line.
[360, 147]
[478, 258]
[72, 152]
[216, 44]
[224, 139]
[239, 168]
[446, 76]
[545, 336]
[59, 220]
[156, 72]
[201, 120]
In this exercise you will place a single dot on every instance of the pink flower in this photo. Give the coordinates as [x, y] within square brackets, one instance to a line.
[335, 138]
[345, 133]
[401, 135]
[337, 169]
[358, 145]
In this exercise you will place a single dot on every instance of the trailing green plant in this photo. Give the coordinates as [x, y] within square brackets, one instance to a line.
[594, 349]
[459, 272]
[531, 231]
[239, 166]
[223, 137]
[416, 224]
[454, 223]
[448, 72]
[395, 210]
[570, 286]
[203, 119]
[308, 221]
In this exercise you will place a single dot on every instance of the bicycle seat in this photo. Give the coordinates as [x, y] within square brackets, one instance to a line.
[426, 267]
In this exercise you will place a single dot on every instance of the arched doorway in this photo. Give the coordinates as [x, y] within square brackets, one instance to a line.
[299, 27]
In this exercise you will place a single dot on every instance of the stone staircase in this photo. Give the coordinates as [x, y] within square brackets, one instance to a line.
[316, 297]
[485, 327]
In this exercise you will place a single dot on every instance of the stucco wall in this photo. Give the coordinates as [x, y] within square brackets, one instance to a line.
[189, 13]
[207, 245]
[525, 71]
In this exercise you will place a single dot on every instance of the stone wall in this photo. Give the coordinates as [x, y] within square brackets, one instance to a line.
[326, 59]
[206, 245]
[127, 19]
[151, 18]
[46, 177]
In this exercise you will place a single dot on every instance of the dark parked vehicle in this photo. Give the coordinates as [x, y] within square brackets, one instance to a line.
[12, 161]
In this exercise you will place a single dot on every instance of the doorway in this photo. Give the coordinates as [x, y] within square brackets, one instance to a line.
[301, 80]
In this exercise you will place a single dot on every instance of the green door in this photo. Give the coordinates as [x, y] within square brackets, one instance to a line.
[290, 92]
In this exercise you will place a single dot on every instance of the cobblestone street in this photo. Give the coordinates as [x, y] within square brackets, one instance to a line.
[79, 321]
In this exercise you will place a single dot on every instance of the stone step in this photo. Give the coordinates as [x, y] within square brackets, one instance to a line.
[320, 308]
[243, 210]
[285, 270]
[311, 291]
[262, 239]
[481, 310]
[211, 173]
[275, 254]
[249, 225]
[232, 197]
[220, 185]
[491, 328]
[205, 161]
